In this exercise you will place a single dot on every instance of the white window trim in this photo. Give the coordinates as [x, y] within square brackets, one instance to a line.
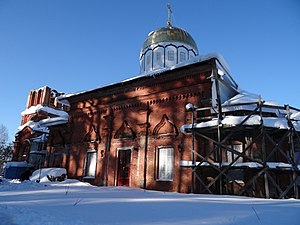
[158, 169]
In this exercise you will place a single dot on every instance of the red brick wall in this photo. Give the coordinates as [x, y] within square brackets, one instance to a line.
[108, 109]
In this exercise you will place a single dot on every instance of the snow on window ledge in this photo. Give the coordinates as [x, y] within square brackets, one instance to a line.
[89, 177]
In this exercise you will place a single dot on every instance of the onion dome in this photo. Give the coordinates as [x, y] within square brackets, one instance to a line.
[165, 47]
[169, 34]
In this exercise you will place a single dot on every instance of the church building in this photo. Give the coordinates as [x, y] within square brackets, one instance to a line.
[182, 125]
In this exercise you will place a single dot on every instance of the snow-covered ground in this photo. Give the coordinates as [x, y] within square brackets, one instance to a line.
[72, 202]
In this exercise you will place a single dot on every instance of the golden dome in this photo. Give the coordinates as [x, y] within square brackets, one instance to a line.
[169, 34]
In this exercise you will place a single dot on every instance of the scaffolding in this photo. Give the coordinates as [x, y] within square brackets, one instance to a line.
[256, 153]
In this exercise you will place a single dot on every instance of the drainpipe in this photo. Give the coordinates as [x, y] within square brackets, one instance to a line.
[107, 145]
[146, 145]
[193, 152]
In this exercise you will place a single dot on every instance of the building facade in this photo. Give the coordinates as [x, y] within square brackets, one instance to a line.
[183, 125]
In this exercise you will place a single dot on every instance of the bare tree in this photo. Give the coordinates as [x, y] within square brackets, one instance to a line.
[6, 148]
[3, 135]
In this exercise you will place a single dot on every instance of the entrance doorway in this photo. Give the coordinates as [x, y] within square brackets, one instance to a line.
[124, 167]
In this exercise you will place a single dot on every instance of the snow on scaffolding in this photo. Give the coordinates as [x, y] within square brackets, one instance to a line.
[271, 165]
[254, 120]
[245, 101]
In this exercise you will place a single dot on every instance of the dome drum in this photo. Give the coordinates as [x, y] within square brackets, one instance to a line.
[165, 48]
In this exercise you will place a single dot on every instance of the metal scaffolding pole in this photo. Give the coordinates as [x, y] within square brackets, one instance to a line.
[193, 151]
[268, 145]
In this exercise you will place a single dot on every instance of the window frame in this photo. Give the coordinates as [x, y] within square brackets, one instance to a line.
[158, 56]
[169, 164]
[37, 146]
[232, 156]
[85, 175]
[171, 55]
[182, 57]
[148, 60]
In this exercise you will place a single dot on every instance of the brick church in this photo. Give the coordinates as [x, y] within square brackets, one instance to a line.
[182, 125]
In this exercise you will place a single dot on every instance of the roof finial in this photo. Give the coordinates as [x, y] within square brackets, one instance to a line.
[169, 14]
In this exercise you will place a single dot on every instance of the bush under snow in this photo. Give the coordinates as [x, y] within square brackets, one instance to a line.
[49, 174]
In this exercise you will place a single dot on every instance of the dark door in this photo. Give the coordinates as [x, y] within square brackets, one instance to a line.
[124, 167]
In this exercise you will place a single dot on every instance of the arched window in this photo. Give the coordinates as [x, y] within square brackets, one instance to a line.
[33, 96]
[39, 97]
[148, 60]
[171, 55]
[52, 97]
[182, 56]
[158, 56]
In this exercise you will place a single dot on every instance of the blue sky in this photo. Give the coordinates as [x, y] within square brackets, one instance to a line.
[75, 45]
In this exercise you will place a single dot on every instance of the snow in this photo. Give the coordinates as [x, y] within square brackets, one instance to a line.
[61, 99]
[236, 120]
[247, 97]
[271, 165]
[42, 125]
[53, 121]
[75, 203]
[38, 152]
[246, 101]
[254, 120]
[193, 60]
[295, 116]
[187, 163]
[202, 58]
[41, 174]
[39, 107]
[35, 126]
[58, 117]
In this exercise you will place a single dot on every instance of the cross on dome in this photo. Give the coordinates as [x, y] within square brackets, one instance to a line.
[169, 15]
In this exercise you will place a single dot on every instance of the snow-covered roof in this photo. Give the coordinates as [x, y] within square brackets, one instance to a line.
[35, 126]
[246, 97]
[42, 125]
[192, 60]
[61, 99]
[56, 117]
[39, 108]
